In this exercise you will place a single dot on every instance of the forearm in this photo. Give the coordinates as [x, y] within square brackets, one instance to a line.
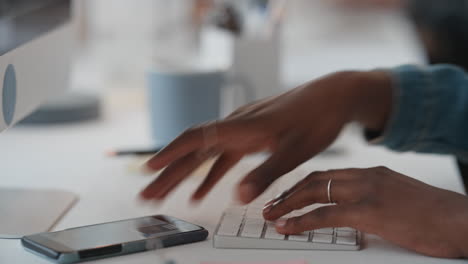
[423, 109]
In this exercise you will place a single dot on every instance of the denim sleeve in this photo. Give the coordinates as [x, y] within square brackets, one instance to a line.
[430, 111]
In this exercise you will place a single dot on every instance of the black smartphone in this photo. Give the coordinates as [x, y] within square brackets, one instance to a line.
[113, 238]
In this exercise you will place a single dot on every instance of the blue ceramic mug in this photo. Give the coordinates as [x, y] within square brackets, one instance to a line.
[180, 100]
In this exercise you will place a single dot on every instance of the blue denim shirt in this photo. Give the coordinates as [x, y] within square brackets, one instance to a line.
[430, 111]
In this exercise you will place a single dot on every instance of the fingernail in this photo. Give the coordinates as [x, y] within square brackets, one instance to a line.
[246, 193]
[281, 222]
[146, 170]
[144, 196]
[280, 195]
[277, 202]
[267, 208]
[272, 201]
[195, 199]
[269, 202]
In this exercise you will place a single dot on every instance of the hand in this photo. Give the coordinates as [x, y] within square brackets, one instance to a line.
[379, 201]
[294, 127]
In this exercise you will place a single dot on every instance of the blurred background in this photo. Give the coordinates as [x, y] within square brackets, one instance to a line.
[120, 40]
[265, 46]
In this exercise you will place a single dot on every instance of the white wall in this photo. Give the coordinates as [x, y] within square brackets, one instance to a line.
[124, 36]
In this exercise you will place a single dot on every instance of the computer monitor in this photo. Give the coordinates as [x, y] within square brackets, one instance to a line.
[36, 47]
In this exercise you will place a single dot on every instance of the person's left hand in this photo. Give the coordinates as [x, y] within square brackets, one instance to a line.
[379, 201]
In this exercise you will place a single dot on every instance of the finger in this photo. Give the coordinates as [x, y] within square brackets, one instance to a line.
[173, 175]
[190, 141]
[224, 163]
[257, 181]
[289, 155]
[315, 191]
[291, 190]
[317, 175]
[322, 217]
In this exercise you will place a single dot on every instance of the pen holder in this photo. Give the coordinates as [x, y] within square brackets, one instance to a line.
[257, 60]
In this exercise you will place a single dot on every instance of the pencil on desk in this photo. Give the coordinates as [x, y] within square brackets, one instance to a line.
[140, 152]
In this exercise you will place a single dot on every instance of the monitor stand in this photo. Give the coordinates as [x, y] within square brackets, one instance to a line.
[29, 211]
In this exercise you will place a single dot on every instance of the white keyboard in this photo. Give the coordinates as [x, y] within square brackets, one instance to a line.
[243, 227]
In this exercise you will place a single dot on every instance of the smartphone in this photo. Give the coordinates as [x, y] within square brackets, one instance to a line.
[113, 238]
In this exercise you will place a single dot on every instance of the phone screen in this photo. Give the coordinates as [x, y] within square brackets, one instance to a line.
[100, 235]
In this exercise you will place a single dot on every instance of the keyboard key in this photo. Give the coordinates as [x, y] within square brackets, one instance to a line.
[322, 238]
[228, 230]
[271, 233]
[253, 228]
[289, 215]
[303, 211]
[235, 219]
[348, 240]
[299, 213]
[304, 237]
[328, 231]
[235, 211]
[256, 207]
[244, 225]
[254, 213]
[348, 229]
[230, 225]
[258, 216]
[311, 207]
[342, 233]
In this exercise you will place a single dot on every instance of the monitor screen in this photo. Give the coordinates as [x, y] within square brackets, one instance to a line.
[24, 20]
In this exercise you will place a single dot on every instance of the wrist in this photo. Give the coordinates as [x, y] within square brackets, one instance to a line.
[365, 97]
[371, 95]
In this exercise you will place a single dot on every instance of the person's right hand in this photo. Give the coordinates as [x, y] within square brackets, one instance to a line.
[294, 127]
[379, 201]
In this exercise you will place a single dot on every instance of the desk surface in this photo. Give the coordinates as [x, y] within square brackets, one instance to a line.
[72, 157]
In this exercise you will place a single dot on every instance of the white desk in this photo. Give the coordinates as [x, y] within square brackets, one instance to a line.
[72, 157]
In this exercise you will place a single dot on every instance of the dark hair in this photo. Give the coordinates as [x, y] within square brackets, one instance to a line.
[443, 26]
